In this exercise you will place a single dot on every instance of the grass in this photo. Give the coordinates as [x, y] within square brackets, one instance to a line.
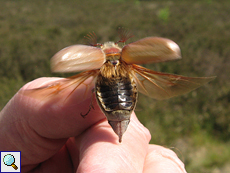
[195, 124]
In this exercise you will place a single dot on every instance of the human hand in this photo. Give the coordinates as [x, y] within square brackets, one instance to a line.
[53, 137]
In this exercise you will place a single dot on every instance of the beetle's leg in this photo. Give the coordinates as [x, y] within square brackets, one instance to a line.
[90, 106]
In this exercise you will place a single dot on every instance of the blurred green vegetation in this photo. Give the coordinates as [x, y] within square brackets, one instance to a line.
[195, 125]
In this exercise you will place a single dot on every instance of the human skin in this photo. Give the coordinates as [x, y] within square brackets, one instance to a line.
[53, 137]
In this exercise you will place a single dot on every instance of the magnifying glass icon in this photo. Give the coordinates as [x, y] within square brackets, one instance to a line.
[9, 160]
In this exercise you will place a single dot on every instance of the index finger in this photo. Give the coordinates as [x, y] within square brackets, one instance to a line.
[40, 128]
[47, 115]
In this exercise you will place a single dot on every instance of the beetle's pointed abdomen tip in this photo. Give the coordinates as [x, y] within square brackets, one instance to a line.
[120, 139]
[119, 127]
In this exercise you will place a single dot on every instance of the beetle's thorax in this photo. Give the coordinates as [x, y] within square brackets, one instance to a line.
[110, 48]
[114, 67]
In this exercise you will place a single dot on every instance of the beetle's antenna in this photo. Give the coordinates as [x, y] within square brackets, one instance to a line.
[124, 34]
[91, 39]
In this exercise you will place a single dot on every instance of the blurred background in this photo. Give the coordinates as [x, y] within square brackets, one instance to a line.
[196, 125]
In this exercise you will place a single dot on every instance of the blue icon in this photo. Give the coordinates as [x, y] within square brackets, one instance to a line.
[9, 160]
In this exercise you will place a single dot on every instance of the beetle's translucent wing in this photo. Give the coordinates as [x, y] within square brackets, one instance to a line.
[150, 49]
[61, 90]
[162, 85]
[77, 58]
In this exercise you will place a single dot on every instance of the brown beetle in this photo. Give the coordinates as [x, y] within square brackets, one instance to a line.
[116, 76]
